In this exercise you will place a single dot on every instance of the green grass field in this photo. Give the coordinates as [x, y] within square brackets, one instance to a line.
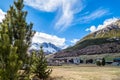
[85, 72]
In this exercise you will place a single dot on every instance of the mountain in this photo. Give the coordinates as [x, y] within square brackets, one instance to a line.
[48, 48]
[105, 40]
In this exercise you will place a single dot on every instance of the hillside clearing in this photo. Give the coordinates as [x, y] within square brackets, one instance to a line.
[85, 72]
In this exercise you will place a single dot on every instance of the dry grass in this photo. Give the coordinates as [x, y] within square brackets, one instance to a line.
[85, 72]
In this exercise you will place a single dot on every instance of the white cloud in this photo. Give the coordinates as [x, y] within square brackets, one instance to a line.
[68, 8]
[105, 23]
[92, 29]
[94, 15]
[44, 5]
[40, 37]
[74, 41]
[2, 15]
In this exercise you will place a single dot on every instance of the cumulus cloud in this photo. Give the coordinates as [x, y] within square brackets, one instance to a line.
[94, 15]
[40, 37]
[68, 8]
[101, 26]
[2, 15]
[74, 41]
[91, 29]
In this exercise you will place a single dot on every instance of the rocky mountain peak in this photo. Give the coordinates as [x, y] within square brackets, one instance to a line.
[48, 48]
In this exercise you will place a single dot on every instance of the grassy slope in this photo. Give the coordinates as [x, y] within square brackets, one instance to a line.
[107, 56]
[91, 39]
[97, 38]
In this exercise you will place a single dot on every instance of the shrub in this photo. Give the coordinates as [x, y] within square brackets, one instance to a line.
[103, 62]
[98, 63]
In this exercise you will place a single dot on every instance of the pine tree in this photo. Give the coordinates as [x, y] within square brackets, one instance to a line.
[15, 38]
[20, 33]
[9, 63]
[103, 62]
[40, 67]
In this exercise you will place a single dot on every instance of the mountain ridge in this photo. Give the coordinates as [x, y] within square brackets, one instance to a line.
[107, 37]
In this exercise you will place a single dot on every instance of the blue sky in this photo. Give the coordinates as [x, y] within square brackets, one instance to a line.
[63, 22]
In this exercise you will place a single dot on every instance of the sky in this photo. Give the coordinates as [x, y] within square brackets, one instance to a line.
[64, 22]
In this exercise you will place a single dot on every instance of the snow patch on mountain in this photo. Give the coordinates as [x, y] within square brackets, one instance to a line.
[48, 48]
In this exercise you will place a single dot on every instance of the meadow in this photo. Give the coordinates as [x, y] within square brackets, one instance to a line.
[85, 72]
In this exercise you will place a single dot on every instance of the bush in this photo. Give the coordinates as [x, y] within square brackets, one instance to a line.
[103, 61]
[98, 63]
